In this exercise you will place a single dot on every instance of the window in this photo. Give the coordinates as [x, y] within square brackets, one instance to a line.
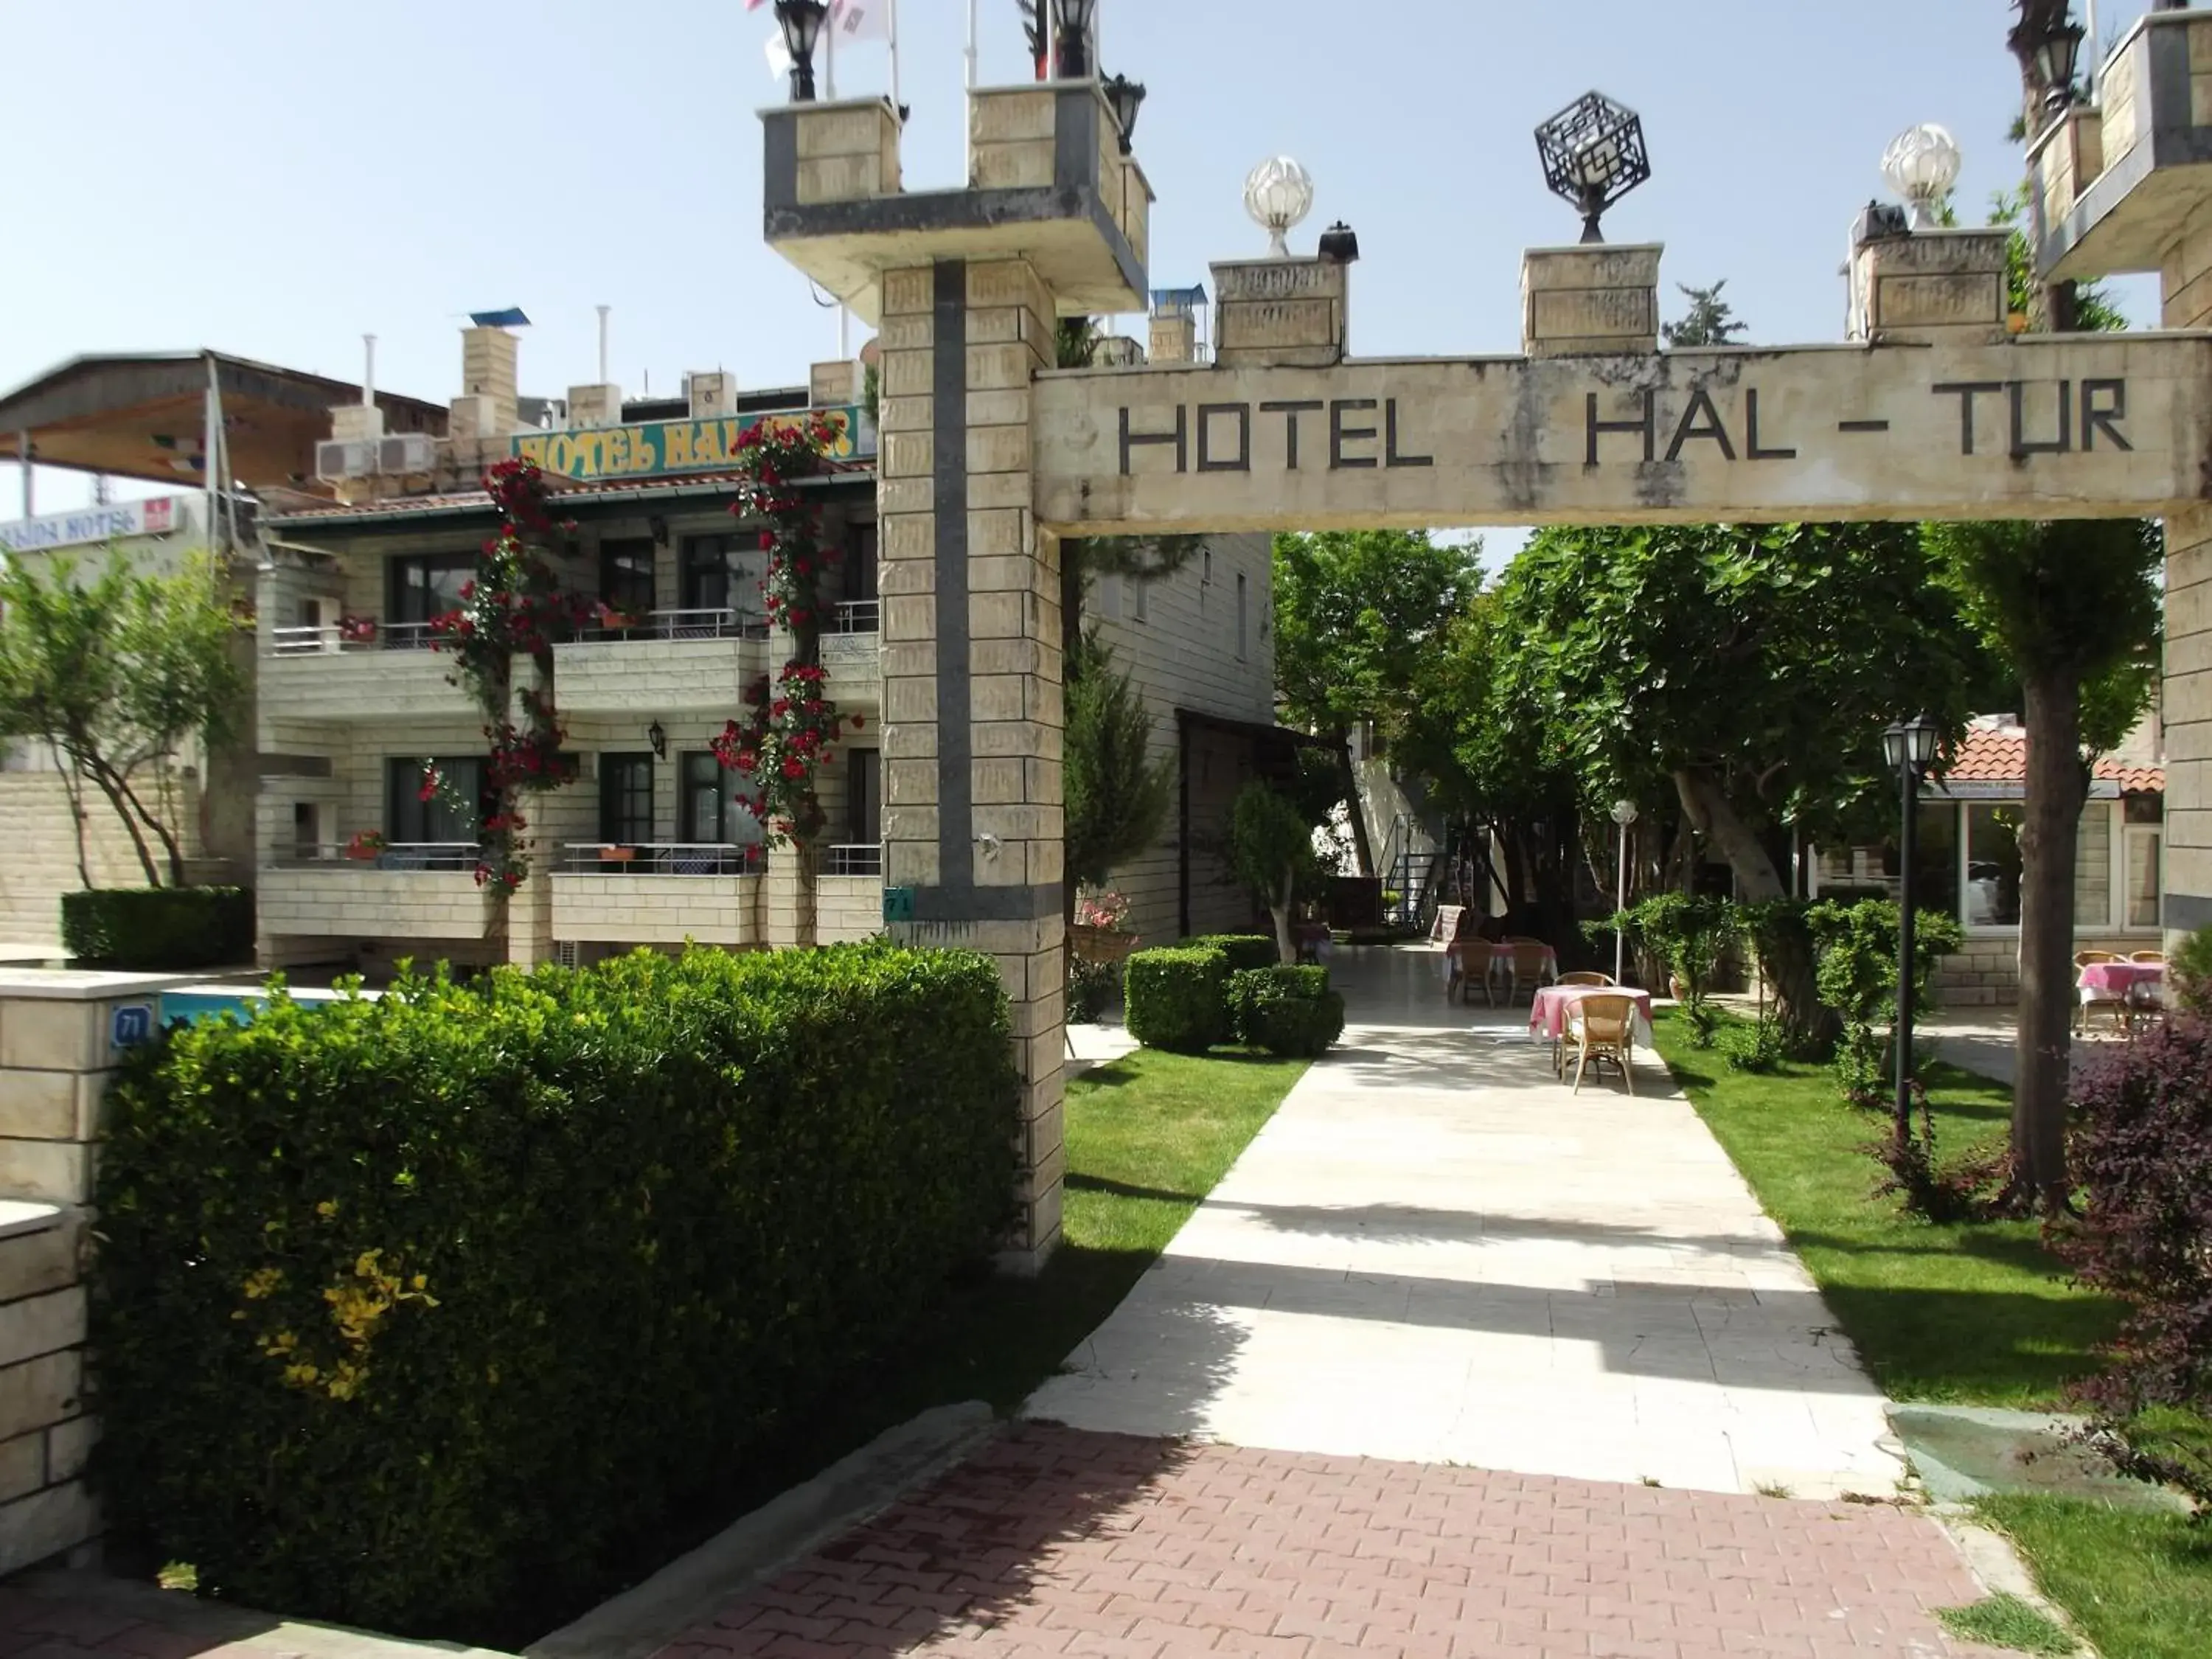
[856, 574]
[1241, 616]
[423, 586]
[720, 574]
[864, 795]
[626, 575]
[626, 800]
[2145, 816]
[709, 813]
[2093, 867]
[1935, 863]
[307, 840]
[453, 809]
[1992, 866]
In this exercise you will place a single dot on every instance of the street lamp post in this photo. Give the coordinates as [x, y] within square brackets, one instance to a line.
[1623, 814]
[1910, 748]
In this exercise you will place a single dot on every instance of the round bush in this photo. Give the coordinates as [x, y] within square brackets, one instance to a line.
[1286, 1011]
[1173, 998]
[1244, 950]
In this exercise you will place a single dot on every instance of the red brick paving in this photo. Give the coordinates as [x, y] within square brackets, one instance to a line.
[1053, 1541]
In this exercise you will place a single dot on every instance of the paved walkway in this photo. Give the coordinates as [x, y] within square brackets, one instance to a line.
[1435, 1252]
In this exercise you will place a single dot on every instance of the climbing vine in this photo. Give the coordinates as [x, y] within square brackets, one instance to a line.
[513, 607]
[790, 728]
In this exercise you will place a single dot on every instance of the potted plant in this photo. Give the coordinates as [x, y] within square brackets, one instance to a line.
[357, 631]
[1097, 935]
[364, 845]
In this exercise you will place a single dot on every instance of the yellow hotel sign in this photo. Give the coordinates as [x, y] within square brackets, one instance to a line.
[665, 447]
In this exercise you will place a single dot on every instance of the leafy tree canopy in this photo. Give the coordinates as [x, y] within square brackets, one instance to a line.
[1359, 614]
[1710, 321]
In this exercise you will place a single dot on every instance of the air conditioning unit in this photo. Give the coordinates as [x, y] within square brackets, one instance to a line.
[345, 458]
[410, 452]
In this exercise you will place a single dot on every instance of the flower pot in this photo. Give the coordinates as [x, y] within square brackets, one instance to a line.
[1099, 945]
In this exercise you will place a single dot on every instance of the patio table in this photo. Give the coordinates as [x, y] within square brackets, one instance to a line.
[1554, 1006]
[2121, 978]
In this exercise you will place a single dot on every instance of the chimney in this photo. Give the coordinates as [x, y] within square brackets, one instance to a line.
[833, 384]
[1174, 333]
[711, 396]
[488, 371]
[594, 405]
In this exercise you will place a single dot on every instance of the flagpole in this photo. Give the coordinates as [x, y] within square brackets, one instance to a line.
[971, 45]
[894, 66]
[829, 61]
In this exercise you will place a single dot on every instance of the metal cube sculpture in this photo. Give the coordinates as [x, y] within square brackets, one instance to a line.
[1593, 154]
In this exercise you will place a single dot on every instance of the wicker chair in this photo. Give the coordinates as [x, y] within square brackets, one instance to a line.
[1584, 976]
[1530, 959]
[1603, 1028]
[1473, 960]
[2092, 997]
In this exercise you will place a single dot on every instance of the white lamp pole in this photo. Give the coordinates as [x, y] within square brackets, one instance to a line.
[1623, 814]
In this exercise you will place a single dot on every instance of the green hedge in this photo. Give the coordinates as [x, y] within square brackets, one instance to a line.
[1244, 950]
[418, 1313]
[1171, 998]
[1286, 1011]
[159, 928]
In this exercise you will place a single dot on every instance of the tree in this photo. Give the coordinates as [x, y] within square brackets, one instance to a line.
[1271, 846]
[1116, 795]
[1358, 617]
[1709, 321]
[115, 675]
[1747, 671]
[2073, 606]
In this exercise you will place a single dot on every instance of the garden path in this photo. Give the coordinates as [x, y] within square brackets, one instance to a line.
[1437, 1252]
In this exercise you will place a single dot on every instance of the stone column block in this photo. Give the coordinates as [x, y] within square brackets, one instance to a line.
[1598, 299]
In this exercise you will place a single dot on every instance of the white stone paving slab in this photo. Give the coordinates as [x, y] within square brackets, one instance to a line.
[1438, 1253]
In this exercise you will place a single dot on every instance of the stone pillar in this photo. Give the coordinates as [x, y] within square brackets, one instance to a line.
[788, 902]
[1931, 287]
[972, 717]
[2187, 288]
[1283, 313]
[489, 369]
[1595, 300]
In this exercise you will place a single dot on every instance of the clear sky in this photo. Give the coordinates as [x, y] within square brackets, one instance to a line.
[274, 179]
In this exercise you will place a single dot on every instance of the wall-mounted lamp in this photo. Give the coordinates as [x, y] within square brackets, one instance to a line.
[1127, 97]
[657, 735]
[1340, 243]
[659, 527]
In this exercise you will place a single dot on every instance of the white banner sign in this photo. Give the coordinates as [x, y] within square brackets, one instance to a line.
[157, 517]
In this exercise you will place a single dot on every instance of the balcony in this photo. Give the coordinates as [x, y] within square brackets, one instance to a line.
[418, 890]
[849, 898]
[657, 894]
[671, 660]
[852, 651]
[329, 673]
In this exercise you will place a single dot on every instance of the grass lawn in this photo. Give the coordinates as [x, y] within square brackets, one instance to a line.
[1978, 1314]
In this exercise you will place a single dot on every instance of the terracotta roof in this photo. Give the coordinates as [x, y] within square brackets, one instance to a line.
[1999, 755]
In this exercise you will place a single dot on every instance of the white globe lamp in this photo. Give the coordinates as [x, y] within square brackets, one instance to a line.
[1922, 165]
[1279, 194]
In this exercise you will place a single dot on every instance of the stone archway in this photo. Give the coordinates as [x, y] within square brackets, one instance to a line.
[989, 454]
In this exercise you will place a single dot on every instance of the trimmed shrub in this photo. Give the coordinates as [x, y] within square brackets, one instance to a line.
[1244, 950]
[159, 928]
[2191, 972]
[1286, 1011]
[424, 1313]
[1172, 998]
[1857, 945]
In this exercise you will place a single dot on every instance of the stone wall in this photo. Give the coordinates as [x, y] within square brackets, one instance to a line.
[1985, 971]
[39, 864]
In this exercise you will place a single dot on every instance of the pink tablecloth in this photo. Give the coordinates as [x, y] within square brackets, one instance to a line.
[2120, 978]
[1547, 1015]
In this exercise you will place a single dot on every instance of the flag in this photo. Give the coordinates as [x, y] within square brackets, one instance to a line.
[754, 5]
[862, 19]
[778, 57]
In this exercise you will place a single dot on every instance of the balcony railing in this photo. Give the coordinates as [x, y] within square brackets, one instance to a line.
[709, 623]
[661, 858]
[856, 617]
[855, 859]
[318, 639]
[405, 855]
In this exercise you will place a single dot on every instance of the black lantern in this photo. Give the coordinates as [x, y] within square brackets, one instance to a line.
[1910, 748]
[1071, 39]
[801, 21]
[1338, 243]
[2056, 55]
[1593, 154]
[1128, 97]
[657, 735]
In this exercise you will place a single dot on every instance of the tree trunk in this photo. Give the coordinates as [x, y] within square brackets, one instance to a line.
[99, 774]
[1363, 850]
[73, 792]
[1286, 952]
[1807, 1025]
[2050, 819]
[171, 848]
